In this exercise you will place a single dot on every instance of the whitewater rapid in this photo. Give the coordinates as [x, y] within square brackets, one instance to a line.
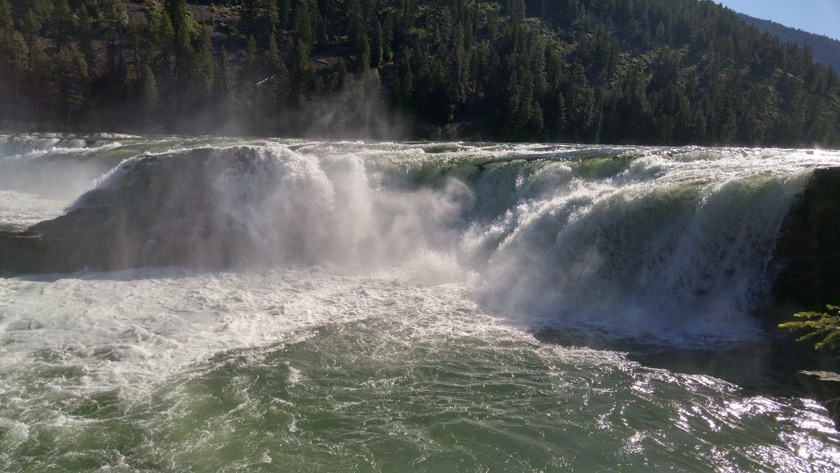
[667, 244]
[385, 307]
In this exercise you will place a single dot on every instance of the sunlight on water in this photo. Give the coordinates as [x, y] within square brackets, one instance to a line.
[389, 310]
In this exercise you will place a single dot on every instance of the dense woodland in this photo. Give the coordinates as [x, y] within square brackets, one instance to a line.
[617, 71]
[824, 49]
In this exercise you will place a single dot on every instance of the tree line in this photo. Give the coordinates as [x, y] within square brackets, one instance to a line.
[617, 71]
[824, 49]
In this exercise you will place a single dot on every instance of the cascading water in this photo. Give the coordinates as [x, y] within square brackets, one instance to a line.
[648, 245]
[231, 304]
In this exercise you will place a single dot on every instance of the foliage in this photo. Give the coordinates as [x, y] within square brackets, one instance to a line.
[826, 50]
[620, 71]
[824, 325]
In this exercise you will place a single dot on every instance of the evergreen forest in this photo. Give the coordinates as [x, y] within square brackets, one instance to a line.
[600, 71]
[825, 50]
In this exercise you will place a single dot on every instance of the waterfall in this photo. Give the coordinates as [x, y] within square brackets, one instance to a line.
[645, 241]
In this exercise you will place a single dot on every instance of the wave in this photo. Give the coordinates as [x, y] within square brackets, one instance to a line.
[64, 166]
[647, 241]
[251, 205]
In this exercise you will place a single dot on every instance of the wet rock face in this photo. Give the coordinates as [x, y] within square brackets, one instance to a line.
[807, 258]
[21, 252]
[824, 386]
[148, 215]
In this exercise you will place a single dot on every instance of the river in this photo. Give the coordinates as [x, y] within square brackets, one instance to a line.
[407, 307]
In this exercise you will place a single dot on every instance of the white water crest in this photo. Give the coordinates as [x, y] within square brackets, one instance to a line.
[62, 167]
[646, 242]
[669, 242]
[340, 306]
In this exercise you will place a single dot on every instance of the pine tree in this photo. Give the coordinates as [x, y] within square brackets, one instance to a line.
[363, 57]
[84, 33]
[31, 26]
[341, 75]
[70, 80]
[377, 47]
[223, 88]
[6, 48]
[284, 13]
[114, 23]
[177, 12]
[161, 42]
[581, 102]
[63, 23]
[247, 77]
[203, 65]
[270, 86]
[150, 93]
[405, 75]
[305, 22]
[302, 74]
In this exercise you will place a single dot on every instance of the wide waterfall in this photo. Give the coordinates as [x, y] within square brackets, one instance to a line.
[227, 304]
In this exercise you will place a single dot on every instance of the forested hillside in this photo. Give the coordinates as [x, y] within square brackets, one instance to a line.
[618, 71]
[824, 49]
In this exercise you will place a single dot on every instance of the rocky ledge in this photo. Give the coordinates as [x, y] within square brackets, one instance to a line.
[825, 387]
[807, 258]
[154, 211]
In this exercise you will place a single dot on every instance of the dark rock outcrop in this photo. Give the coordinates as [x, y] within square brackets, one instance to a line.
[172, 210]
[825, 387]
[21, 252]
[807, 258]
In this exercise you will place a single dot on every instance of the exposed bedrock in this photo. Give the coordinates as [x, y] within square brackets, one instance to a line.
[824, 386]
[807, 258]
[155, 211]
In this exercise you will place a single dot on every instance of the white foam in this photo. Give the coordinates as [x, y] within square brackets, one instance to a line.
[423, 260]
[127, 332]
[20, 210]
[669, 245]
[638, 240]
[14, 433]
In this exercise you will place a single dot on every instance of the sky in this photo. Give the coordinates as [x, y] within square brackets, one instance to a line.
[815, 16]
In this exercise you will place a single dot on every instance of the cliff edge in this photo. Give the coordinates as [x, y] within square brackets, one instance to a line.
[807, 257]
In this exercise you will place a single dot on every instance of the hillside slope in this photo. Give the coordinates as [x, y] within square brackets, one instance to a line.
[618, 71]
[825, 50]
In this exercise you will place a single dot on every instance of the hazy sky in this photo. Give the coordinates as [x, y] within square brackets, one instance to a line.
[816, 16]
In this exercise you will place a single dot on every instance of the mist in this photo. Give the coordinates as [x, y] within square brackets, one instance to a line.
[52, 167]
[360, 110]
[261, 205]
[649, 255]
[643, 241]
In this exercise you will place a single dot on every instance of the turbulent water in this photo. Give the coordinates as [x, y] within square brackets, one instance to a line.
[409, 307]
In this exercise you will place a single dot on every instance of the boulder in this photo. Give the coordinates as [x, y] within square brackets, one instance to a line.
[152, 211]
[21, 252]
[825, 387]
[806, 264]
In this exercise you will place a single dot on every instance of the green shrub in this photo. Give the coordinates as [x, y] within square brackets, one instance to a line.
[825, 325]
